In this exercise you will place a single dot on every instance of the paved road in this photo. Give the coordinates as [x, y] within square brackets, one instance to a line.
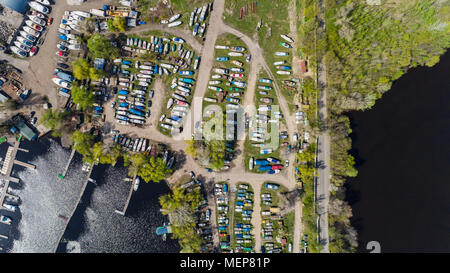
[323, 180]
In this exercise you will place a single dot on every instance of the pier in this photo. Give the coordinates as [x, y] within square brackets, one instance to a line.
[63, 174]
[130, 193]
[8, 163]
[67, 218]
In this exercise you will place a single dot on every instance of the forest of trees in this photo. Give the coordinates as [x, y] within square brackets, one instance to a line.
[207, 153]
[149, 168]
[365, 49]
[181, 206]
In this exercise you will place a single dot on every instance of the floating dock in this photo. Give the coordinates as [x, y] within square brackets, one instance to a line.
[63, 174]
[67, 218]
[130, 193]
[8, 163]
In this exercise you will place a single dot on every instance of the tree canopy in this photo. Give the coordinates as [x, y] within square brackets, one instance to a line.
[82, 96]
[181, 205]
[100, 47]
[82, 70]
[155, 169]
[118, 24]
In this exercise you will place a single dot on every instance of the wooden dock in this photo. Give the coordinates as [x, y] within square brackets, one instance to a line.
[7, 169]
[130, 193]
[23, 164]
[63, 174]
[67, 218]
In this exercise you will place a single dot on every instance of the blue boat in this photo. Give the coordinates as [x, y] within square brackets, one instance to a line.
[63, 37]
[123, 104]
[123, 92]
[137, 112]
[222, 59]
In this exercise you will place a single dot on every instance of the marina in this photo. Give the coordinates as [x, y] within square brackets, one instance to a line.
[7, 167]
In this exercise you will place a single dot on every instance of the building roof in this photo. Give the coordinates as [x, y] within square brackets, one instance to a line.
[99, 63]
[303, 66]
[24, 129]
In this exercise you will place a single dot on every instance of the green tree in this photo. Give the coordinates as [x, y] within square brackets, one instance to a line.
[100, 47]
[118, 24]
[181, 206]
[83, 97]
[135, 162]
[53, 120]
[81, 69]
[110, 157]
[154, 170]
[83, 143]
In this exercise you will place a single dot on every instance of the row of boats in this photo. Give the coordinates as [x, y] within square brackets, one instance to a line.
[134, 145]
[132, 108]
[197, 18]
[6, 219]
[68, 41]
[35, 23]
[280, 65]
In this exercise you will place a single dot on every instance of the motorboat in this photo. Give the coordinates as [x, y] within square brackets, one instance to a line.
[18, 51]
[24, 41]
[22, 46]
[136, 184]
[32, 32]
[11, 207]
[39, 7]
[37, 20]
[27, 36]
[44, 2]
[33, 25]
[5, 219]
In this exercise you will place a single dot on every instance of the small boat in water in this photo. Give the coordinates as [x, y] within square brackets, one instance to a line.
[5, 220]
[136, 183]
[11, 207]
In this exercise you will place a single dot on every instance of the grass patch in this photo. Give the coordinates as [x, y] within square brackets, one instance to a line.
[239, 218]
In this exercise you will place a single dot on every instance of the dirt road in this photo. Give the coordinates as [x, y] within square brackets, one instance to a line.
[42, 66]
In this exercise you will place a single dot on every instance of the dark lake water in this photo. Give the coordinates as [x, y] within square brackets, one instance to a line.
[17, 5]
[95, 226]
[400, 197]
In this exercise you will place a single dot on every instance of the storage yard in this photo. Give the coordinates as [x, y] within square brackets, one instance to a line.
[135, 87]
